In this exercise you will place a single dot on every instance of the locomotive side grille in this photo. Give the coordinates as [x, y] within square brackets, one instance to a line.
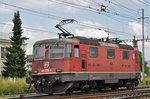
[83, 55]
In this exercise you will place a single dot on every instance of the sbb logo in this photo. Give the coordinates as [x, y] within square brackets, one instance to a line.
[46, 64]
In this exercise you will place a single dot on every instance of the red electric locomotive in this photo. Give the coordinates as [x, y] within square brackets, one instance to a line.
[67, 64]
[78, 63]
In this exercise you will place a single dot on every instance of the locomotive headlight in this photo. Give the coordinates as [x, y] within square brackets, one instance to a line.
[58, 70]
[35, 71]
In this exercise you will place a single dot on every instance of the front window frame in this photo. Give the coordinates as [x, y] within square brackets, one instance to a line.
[35, 51]
[56, 57]
[70, 49]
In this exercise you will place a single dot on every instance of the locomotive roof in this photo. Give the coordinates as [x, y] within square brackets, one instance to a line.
[83, 40]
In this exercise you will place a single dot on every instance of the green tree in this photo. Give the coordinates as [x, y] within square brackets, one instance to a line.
[145, 65]
[15, 58]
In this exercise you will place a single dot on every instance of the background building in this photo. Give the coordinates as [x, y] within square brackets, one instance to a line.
[29, 62]
[5, 42]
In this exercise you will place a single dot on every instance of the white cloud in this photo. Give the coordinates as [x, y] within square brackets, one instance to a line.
[136, 28]
[7, 27]
[96, 24]
[147, 49]
[70, 9]
[78, 2]
[35, 36]
[137, 31]
[82, 2]
[33, 3]
[6, 9]
[90, 32]
[130, 2]
[72, 4]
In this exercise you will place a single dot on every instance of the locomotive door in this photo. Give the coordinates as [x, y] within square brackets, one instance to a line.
[79, 60]
[76, 59]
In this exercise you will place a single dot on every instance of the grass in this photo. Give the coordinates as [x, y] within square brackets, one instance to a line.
[11, 87]
[145, 82]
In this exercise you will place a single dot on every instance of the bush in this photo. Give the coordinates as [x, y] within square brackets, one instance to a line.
[145, 82]
[9, 86]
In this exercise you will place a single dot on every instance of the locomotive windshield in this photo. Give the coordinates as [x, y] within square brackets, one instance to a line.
[39, 52]
[57, 51]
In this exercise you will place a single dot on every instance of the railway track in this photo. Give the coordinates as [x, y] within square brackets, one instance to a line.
[108, 94]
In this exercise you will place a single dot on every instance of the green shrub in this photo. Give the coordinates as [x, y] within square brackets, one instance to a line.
[9, 86]
[145, 82]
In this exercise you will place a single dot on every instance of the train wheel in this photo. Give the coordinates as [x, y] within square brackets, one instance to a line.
[114, 88]
[131, 86]
[99, 89]
[50, 94]
[88, 90]
[61, 87]
[69, 91]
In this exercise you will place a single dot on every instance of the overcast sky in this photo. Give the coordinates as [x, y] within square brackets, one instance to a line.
[39, 18]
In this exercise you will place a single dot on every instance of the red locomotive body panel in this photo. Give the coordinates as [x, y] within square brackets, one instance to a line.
[99, 64]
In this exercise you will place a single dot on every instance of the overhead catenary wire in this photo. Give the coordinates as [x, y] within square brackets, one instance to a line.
[144, 3]
[116, 3]
[122, 6]
[37, 12]
[29, 28]
[96, 10]
[139, 7]
[54, 16]
[60, 18]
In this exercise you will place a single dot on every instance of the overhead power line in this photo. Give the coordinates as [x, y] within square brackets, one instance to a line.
[61, 18]
[29, 28]
[33, 11]
[144, 3]
[98, 10]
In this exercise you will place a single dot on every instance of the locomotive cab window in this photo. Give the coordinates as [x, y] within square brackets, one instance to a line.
[39, 52]
[110, 53]
[57, 51]
[93, 52]
[125, 54]
[76, 51]
[68, 50]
